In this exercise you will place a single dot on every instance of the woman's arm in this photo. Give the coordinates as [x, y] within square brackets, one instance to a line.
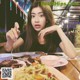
[66, 44]
[16, 44]
[12, 38]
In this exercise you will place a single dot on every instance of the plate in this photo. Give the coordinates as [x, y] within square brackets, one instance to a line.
[32, 54]
[60, 63]
[5, 57]
[54, 61]
[23, 53]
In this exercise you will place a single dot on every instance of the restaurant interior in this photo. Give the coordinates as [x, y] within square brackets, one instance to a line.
[66, 14]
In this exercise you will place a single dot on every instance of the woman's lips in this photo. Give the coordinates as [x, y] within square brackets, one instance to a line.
[37, 26]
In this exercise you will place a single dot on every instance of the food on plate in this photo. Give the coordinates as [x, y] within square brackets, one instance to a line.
[16, 65]
[36, 72]
[27, 59]
[10, 63]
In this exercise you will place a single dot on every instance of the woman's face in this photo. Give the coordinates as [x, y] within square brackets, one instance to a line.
[38, 19]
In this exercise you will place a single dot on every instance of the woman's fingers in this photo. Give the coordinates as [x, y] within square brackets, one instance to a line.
[9, 36]
[16, 30]
[41, 37]
[41, 34]
[13, 34]
[16, 25]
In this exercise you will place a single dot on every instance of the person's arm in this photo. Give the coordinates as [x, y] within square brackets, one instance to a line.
[13, 40]
[66, 44]
[17, 43]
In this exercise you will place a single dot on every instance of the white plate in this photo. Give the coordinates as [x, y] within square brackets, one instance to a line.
[32, 54]
[61, 62]
[53, 61]
[5, 57]
[23, 53]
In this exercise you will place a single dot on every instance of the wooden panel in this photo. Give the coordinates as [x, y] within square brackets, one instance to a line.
[70, 71]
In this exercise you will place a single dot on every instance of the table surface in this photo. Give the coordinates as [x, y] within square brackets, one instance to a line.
[72, 69]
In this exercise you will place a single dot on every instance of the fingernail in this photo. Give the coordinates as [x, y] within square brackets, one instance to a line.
[16, 25]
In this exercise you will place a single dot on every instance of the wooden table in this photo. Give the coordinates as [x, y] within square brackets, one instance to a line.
[72, 69]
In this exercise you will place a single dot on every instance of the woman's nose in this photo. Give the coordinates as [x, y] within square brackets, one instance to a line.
[36, 19]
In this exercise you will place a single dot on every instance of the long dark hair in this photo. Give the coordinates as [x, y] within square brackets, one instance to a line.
[30, 32]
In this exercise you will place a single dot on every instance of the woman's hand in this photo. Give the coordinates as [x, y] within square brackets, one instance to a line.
[46, 31]
[12, 36]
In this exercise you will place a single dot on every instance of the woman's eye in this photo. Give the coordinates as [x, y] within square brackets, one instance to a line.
[41, 15]
[33, 16]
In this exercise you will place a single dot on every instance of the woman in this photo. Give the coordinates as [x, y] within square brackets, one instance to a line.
[41, 34]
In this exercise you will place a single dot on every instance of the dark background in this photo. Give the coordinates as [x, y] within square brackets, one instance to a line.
[9, 17]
